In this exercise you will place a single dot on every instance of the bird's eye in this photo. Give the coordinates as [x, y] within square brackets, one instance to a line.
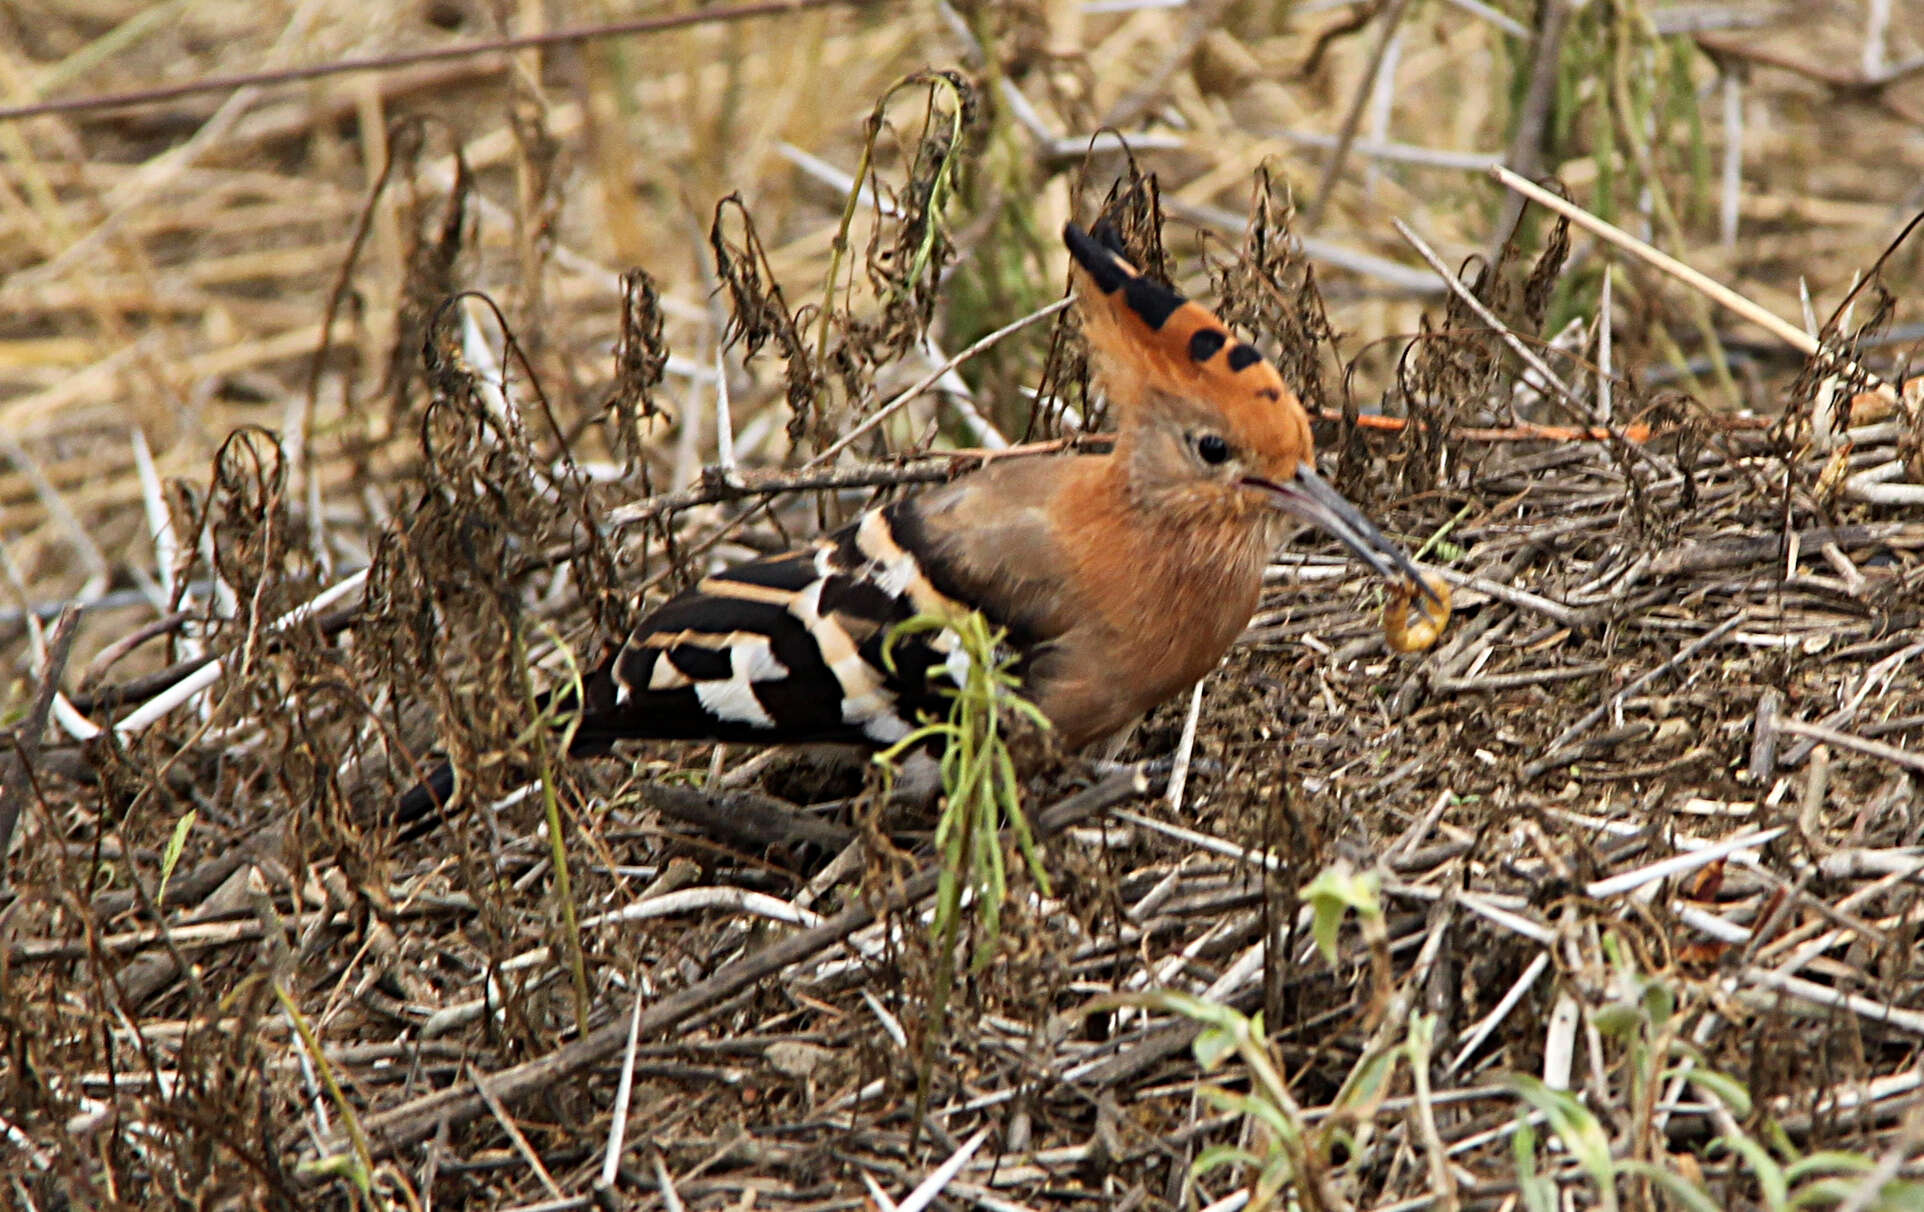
[1212, 447]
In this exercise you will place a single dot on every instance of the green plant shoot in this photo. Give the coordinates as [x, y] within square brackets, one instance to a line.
[981, 791]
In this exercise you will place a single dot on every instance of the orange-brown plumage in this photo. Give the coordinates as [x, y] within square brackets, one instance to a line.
[1168, 550]
[1137, 569]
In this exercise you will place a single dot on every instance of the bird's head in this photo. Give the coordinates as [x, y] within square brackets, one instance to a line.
[1206, 422]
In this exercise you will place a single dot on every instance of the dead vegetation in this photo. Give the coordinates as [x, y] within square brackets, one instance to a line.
[331, 404]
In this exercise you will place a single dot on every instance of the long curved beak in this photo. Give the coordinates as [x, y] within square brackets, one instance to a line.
[1309, 497]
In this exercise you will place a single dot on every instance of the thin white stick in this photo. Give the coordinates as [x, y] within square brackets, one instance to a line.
[1845, 1099]
[981, 432]
[1397, 153]
[490, 376]
[226, 603]
[160, 524]
[687, 444]
[1202, 841]
[1824, 995]
[311, 1081]
[1860, 744]
[724, 419]
[24, 1143]
[99, 573]
[1529, 357]
[692, 900]
[1716, 927]
[1179, 771]
[986, 1199]
[890, 1024]
[1877, 491]
[1733, 96]
[1074, 147]
[297, 446]
[1393, 274]
[1877, 24]
[71, 722]
[930, 1187]
[1606, 320]
[1244, 971]
[199, 680]
[665, 1186]
[1477, 1140]
[883, 1201]
[1560, 1042]
[618, 1117]
[1503, 21]
[1499, 1012]
[1630, 881]
[833, 177]
[1382, 103]
[921, 385]
[1514, 922]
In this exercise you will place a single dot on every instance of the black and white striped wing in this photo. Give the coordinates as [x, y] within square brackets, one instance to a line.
[785, 649]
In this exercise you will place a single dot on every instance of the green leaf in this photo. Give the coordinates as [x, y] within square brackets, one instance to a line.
[1539, 1192]
[1769, 1175]
[1722, 1087]
[1422, 1033]
[1335, 891]
[1369, 1076]
[170, 858]
[1277, 1174]
[1891, 1197]
[1618, 1020]
[1659, 1003]
[1196, 1009]
[1575, 1126]
[1257, 1108]
[1676, 1185]
[1825, 1192]
[1215, 1157]
[1827, 1161]
[1901, 1197]
[1212, 1047]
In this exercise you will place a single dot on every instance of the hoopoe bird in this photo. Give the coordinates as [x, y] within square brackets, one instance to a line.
[1119, 579]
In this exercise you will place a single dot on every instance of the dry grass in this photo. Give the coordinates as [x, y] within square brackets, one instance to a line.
[1659, 785]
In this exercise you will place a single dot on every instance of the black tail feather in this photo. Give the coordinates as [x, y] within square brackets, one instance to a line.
[424, 806]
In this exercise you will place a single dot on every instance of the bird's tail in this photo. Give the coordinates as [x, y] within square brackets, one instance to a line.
[423, 806]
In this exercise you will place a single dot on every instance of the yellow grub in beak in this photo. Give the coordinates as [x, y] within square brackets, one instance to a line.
[1407, 631]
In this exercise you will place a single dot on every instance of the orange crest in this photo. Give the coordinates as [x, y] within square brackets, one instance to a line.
[1149, 338]
[1152, 334]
